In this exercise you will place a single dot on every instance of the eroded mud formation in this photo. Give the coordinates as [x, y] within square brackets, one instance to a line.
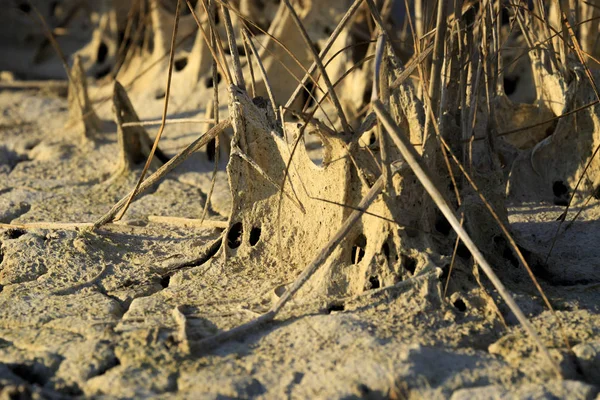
[114, 303]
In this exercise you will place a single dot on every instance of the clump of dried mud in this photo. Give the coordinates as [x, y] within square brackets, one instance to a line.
[113, 312]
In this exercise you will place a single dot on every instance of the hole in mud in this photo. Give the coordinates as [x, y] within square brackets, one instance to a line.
[335, 307]
[367, 95]
[550, 130]
[505, 15]
[240, 49]
[29, 373]
[101, 73]
[460, 305]
[372, 139]
[445, 270]
[102, 53]
[508, 254]
[305, 95]
[180, 64]
[409, 263]
[364, 389]
[442, 225]
[254, 236]
[317, 47]
[186, 10]
[358, 249]
[114, 362]
[463, 252]
[506, 250]
[559, 188]
[561, 193]
[234, 237]
[360, 50]
[596, 193]
[327, 31]
[209, 82]
[26, 8]
[385, 249]
[164, 281]
[374, 282]
[510, 84]
[15, 233]
[53, 8]
[211, 150]
[315, 149]
[160, 94]
[280, 290]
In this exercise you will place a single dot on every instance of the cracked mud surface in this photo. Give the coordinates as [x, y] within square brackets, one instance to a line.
[96, 313]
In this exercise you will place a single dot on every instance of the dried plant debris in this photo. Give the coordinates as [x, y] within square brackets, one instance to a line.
[134, 142]
[81, 112]
[283, 243]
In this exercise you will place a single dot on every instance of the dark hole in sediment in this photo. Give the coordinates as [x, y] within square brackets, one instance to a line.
[335, 307]
[33, 374]
[385, 248]
[508, 254]
[317, 47]
[164, 281]
[374, 282]
[463, 252]
[510, 84]
[101, 73]
[180, 64]
[442, 225]
[367, 95]
[445, 271]
[596, 193]
[359, 50]
[460, 305]
[26, 8]
[211, 150]
[409, 263]
[358, 249]
[186, 10]
[159, 94]
[307, 100]
[209, 81]
[559, 188]
[234, 237]
[15, 233]
[561, 192]
[505, 15]
[372, 139]
[53, 8]
[506, 250]
[102, 53]
[240, 49]
[254, 235]
[364, 389]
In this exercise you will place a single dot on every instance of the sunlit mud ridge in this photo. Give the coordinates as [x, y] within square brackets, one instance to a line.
[299, 198]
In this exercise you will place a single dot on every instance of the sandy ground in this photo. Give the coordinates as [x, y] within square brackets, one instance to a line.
[99, 313]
